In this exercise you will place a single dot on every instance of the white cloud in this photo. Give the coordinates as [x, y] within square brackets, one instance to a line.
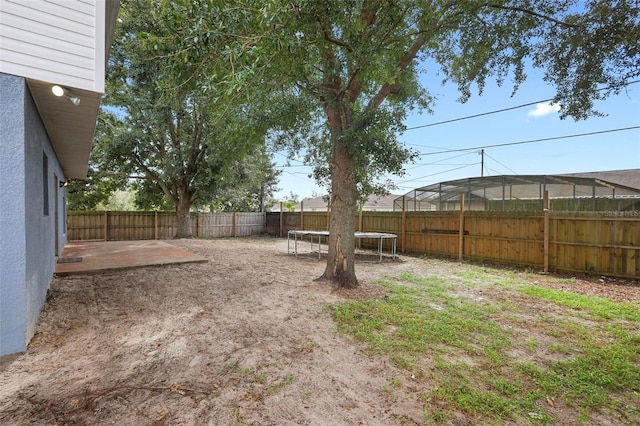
[542, 109]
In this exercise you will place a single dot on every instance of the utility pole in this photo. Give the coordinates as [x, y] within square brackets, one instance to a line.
[481, 162]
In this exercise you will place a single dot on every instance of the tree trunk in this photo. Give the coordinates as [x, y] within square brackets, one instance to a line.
[340, 269]
[183, 215]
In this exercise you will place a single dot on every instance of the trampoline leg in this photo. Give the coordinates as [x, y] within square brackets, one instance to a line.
[393, 254]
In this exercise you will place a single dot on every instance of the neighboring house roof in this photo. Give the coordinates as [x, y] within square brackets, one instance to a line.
[70, 50]
[312, 203]
[629, 178]
[380, 202]
[374, 202]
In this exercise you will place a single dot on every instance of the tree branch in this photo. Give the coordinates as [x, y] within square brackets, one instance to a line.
[154, 177]
[404, 62]
[536, 14]
[328, 37]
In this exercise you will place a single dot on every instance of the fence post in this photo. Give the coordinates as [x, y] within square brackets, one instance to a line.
[461, 230]
[106, 225]
[235, 224]
[403, 225]
[360, 226]
[197, 224]
[264, 222]
[280, 229]
[547, 208]
[302, 215]
[155, 224]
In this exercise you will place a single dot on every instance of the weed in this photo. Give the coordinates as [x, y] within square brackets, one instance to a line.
[276, 387]
[243, 370]
[435, 416]
[395, 383]
[532, 344]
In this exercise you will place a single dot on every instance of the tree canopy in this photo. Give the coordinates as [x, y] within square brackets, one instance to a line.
[87, 194]
[188, 143]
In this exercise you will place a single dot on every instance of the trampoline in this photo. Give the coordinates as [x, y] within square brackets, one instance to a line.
[325, 234]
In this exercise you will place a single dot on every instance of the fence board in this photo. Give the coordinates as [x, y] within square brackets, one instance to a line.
[315, 221]
[218, 225]
[248, 224]
[86, 225]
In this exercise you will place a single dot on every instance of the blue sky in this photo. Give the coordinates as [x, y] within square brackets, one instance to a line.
[607, 151]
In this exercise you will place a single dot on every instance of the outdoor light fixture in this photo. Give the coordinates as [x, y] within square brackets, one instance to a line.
[57, 90]
[64, 183]
[61, 91]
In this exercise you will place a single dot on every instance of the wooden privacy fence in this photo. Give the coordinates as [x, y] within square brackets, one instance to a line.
[604, 243]
[120, 226]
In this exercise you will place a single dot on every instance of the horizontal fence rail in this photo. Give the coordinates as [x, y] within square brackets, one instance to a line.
[602, 243]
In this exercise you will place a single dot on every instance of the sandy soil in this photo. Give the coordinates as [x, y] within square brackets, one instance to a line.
[246, 338]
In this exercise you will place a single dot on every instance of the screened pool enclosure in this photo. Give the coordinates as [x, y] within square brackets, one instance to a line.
[586, 192]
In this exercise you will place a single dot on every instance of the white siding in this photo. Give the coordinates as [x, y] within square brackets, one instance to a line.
[59, 41]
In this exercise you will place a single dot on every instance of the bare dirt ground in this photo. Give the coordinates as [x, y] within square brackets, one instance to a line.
[246, 338]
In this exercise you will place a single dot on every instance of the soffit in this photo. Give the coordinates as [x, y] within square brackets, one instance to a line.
[70, 127]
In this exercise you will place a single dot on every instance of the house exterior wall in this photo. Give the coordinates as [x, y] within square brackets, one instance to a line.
[57, 41]
[30, 202]
[12, 213]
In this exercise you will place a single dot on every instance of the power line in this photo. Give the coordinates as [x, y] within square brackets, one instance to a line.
[476, 115]
[439, 162]
[530, 141]
[438, 173]
[453, 120]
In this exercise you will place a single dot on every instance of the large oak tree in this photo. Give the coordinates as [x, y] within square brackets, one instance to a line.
[190, 135]
[357, 64]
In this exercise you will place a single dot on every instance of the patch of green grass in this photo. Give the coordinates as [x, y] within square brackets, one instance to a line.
[598, 306]
[461, 345]
[462, 394]
[589, 378]
[415, 318]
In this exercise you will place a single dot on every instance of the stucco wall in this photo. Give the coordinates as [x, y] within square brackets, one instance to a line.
[13, 306]
[27, 234]
[40, 231]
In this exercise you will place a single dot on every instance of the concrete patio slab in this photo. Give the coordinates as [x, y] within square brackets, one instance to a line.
[85, 257]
